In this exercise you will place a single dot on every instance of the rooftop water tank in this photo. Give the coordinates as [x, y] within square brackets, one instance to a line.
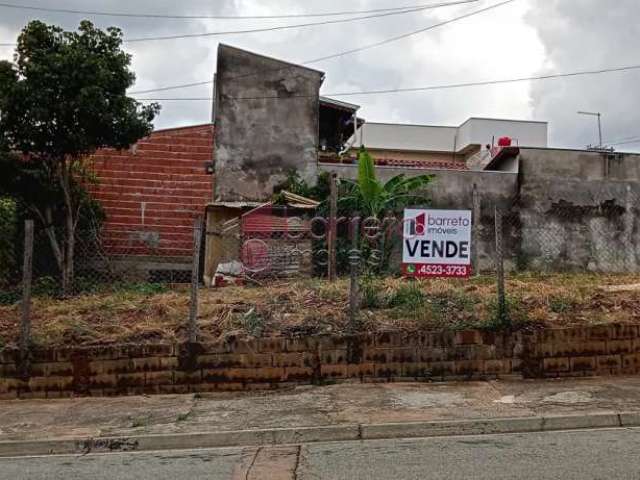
[504, 142]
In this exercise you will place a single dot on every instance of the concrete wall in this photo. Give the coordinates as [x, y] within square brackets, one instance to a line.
[450, 188]
[579, 210]
[453, 189]
[266, 124]
[564, 210]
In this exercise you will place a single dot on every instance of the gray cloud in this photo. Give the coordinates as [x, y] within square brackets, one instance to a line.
[580, 34]
[517, 40]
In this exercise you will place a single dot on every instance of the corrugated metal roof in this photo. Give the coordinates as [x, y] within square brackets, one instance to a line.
[298, 201]
[235, 204]
[265, 222]
[292, 200]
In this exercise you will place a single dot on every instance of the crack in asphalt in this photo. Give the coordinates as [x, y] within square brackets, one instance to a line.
[253, 462]
[297, 465]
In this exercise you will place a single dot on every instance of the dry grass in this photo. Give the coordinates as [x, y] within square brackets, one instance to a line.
[314, 306]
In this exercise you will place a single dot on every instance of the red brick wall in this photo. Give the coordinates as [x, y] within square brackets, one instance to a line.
[156, 187]
[239, 364]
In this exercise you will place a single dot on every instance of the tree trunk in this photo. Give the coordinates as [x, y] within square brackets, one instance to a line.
[47, 221]
[63, 248]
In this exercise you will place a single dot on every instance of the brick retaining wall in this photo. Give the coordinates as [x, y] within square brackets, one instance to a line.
[269, 363]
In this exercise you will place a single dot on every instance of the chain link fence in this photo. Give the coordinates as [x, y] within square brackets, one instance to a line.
[128, 280]
[266, 270]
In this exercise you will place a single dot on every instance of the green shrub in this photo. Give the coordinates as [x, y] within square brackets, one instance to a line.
[450, 306]
[143, 288]
[8, 231]
[408, 296]
[559, 304]
[46, 287]
[516, 315]
[253, 322]
[371, 293]
[10, 296]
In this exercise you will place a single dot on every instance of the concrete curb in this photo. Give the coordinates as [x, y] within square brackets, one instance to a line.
[284, 436]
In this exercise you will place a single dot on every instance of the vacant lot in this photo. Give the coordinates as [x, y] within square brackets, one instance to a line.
[152, 313]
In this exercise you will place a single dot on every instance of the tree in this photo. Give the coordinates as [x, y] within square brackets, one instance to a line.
[370, 197]
[62, 98]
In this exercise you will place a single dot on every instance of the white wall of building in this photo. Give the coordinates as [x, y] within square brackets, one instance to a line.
[431, 138]
[388, 136]
[481, 131]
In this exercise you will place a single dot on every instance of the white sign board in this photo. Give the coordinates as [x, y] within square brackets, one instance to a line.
[437, 243]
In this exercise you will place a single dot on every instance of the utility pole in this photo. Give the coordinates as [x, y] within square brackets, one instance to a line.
[599, 116]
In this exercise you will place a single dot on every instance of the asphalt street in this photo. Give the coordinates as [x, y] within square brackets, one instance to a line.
[580, 455]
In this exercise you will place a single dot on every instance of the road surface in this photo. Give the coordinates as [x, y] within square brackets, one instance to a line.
[580, 455]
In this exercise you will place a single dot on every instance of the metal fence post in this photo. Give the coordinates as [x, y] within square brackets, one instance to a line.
[354, 290]
[475, 231]
[333, 227]
[502, 303]
[27, 275]
[195, 274]
[629, 222]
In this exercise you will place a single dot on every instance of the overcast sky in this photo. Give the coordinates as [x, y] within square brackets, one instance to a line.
[525, 38]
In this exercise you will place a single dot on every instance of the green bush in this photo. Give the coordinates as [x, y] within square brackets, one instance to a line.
[46, 287]
[559, 304]
[516, 315]
[408, 296]
[8, 253]
[253, 322]
[371, 293]
[450, 306]
[10, 296]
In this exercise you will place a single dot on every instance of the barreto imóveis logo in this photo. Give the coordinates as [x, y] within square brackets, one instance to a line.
[417, 225]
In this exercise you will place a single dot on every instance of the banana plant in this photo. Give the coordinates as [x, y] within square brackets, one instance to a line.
[370, 197]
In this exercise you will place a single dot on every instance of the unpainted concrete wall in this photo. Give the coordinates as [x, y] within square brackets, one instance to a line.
[453, 189]
[579, 210]
[266, 124]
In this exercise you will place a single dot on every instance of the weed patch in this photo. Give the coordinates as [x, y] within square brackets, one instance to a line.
[151, 313]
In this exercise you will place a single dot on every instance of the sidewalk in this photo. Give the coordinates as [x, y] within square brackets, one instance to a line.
[344, 404]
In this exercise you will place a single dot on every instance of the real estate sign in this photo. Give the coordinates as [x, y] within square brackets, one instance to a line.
[437, 243]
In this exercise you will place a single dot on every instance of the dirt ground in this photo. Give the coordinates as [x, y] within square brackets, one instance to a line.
[308, 307]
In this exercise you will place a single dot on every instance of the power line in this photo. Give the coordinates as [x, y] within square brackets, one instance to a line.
[410, 34]
[343, 53]
[627, 142]
[633, 137]
[209, 17]
[496, 82]
[421, 89]
[285, 27]
[164, 89]
[299, 25]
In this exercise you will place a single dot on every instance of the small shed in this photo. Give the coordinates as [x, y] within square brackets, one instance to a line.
[260, 240]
